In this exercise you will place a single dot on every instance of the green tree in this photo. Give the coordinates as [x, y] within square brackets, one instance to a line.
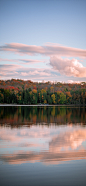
[62, 98]
[53, 98]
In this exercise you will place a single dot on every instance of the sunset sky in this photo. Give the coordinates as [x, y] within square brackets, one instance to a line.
[43, 40]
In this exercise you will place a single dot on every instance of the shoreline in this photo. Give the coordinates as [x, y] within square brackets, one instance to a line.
[73, 105]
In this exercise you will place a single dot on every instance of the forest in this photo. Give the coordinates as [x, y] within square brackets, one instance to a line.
[17, 91]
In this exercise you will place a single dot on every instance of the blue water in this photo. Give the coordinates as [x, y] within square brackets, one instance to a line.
[38, 147]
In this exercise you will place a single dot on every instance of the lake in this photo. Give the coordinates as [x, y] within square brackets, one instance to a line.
[42, 146]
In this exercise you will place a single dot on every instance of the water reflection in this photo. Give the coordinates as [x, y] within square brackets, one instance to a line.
[47, 135]
[44, 115]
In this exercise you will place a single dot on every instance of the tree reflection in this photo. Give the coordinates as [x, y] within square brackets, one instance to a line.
[16, 116]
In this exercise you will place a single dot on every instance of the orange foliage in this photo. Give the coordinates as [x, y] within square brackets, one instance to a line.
[68, 94]
[34, 91]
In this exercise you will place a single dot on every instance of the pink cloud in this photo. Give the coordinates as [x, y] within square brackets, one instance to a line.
[31, 60]
[68, 67]
[22, 60]
[22, 71]
[8, 68]
[22, 48]
[48, 49]
[24, 74]
[9, 60]
[71, 81]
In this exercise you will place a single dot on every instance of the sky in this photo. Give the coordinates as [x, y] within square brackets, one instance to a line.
[43, 40]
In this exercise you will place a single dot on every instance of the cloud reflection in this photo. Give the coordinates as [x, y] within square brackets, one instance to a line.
[48, 145]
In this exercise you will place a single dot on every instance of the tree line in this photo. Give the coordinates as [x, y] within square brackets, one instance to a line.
[14, 95]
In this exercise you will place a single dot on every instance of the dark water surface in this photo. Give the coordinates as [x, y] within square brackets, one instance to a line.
[42, 146]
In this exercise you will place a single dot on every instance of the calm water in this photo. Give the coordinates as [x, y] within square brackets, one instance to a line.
[42, 146]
